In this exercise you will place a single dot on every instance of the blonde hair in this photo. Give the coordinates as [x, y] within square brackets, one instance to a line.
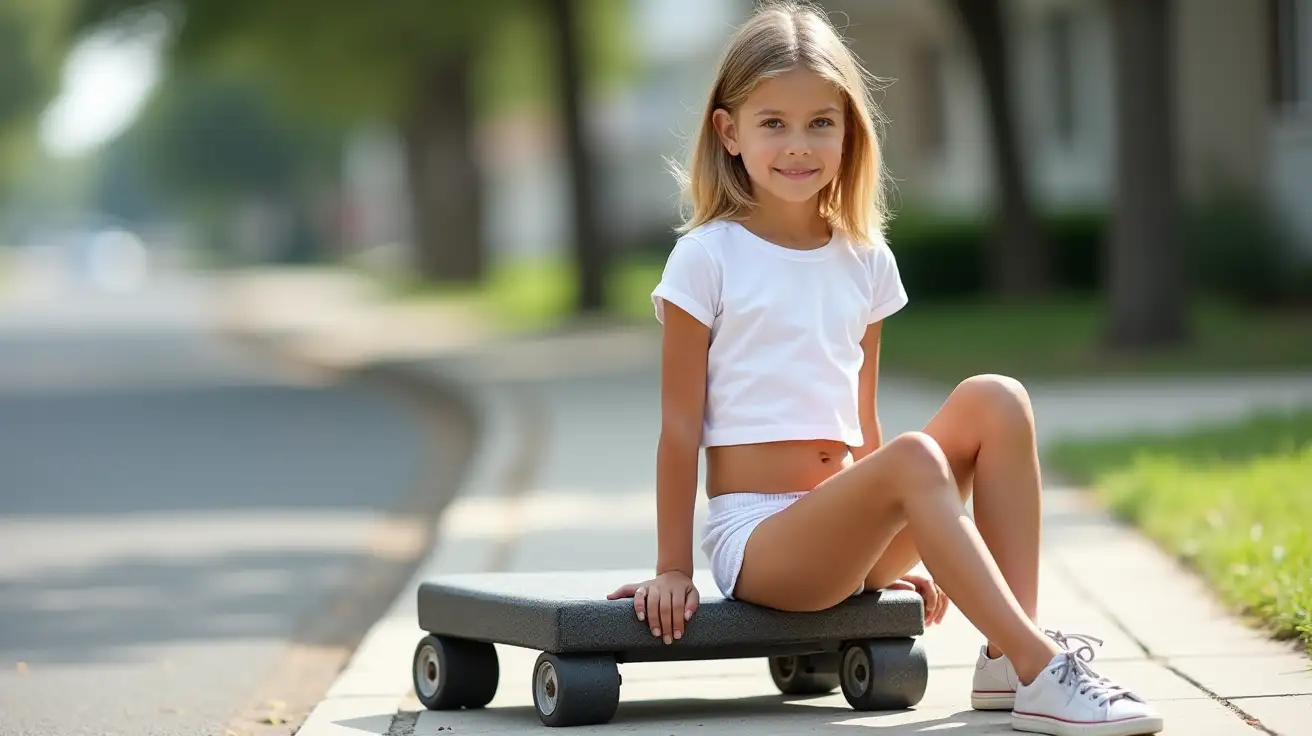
[781, 36]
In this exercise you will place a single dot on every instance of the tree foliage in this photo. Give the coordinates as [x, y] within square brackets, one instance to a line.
[29, 67]
[342, 59]
[206, 139]
[413, 63]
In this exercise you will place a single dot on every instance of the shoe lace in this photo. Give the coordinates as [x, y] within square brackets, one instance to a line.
[1075, 673]
[1086, 647]
[1085, 651]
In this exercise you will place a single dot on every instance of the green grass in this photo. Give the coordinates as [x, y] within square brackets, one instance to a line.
[939, 341]
[528, 296]
[1065, 337]
[1234, 502]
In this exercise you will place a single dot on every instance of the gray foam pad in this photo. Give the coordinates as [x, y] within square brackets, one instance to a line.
[564, 612]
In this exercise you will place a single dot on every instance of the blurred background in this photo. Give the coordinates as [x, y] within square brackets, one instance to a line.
[1136, 176]
[1081, 188]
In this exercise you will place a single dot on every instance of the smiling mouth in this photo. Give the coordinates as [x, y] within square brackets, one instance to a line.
[797, 173]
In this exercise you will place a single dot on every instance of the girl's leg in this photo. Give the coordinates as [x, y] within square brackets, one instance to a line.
[811, 555]
[986, 430]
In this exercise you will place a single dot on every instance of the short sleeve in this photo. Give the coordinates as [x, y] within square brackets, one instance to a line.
[889, 293]
[690, 281]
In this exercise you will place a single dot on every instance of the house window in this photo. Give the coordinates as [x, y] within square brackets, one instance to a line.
[1059, 34]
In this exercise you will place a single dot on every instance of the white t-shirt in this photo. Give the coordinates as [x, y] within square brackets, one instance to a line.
[786, 328]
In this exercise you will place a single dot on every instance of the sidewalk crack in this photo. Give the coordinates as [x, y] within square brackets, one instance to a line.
[403, 723]
[1075, 583]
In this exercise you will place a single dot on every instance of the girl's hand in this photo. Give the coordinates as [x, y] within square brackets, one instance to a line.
[936, 602]
[669, 598]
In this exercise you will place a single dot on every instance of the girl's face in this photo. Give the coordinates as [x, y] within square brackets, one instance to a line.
[789, 133]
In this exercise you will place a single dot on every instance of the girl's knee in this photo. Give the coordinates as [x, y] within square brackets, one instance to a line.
[997, 396]
[921, 463]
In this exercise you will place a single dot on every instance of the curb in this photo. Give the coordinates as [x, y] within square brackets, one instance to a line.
[373, 681]
[371, 691]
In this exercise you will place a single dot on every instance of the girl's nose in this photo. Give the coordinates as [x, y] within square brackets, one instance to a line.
[798, 145]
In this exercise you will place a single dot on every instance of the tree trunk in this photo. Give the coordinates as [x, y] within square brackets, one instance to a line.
[1147, 281]
[1018, 263]
[445, 182]
[590, 255]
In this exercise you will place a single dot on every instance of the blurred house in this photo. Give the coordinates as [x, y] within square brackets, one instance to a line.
[650, 124]
[636, 131]
[1243, 86]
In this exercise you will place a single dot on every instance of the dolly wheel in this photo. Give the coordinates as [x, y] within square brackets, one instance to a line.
[884, 674]
[451, 673]
[575, 690]
[805, 674]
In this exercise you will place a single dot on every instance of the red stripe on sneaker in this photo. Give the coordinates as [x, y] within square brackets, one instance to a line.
[1078, 723]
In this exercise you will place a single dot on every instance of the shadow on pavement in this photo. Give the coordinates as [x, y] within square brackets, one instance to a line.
[760, 714]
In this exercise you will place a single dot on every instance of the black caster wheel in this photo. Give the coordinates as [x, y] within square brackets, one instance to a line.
[452, 673]
[884, 674]
[575, 690]
[806, 674]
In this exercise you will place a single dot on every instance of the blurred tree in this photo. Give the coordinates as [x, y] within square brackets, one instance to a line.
[410, 62]
[122, 187]
[407, 61]
[1147, 289]
[589, 253]
[211, 144]
[1018, 265]
[28, 76]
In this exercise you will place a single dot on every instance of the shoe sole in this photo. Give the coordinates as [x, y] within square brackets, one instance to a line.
[1132, 727]
[992, 701]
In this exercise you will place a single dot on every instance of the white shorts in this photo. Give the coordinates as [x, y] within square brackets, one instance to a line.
[730, 520]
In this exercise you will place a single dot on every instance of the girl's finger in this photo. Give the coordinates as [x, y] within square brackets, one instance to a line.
[623, 591]
[931, 603]
[640, 603]
[678, 606]
[667, 615]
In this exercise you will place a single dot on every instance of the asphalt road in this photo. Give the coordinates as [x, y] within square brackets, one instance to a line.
[175, 514]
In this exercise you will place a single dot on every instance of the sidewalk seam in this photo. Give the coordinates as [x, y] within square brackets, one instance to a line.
[1074, 582]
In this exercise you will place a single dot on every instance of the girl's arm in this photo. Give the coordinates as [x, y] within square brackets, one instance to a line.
[684, 346]
[669, 600]
[867, 392]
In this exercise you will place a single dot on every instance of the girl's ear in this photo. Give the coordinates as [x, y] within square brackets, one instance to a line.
[727, 130]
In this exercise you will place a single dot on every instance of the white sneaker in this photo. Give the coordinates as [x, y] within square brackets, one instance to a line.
[995, 682]
[1069, 699]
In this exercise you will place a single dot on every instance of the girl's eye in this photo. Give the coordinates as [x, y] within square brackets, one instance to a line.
[772, 123]
[823, 123]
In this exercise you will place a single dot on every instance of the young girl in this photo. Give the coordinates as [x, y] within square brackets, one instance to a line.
[772, 303]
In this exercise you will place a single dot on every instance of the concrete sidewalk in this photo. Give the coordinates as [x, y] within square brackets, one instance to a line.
[565, 478]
